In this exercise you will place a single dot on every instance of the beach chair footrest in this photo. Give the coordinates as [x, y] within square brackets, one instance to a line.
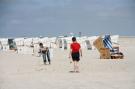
[117, 56]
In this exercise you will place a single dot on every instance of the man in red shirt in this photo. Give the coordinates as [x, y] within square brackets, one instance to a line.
[75, 52]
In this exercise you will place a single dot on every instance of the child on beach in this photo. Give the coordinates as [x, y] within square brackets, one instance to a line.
[45, 53]
[75, 53]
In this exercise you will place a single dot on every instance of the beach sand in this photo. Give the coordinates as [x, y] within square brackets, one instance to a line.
[19, 71]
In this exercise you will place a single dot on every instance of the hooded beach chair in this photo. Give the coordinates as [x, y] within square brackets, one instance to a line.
[105, 48]
[108, 44]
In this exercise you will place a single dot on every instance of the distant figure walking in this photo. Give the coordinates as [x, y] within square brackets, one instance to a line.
[75, 53]
[45, 53]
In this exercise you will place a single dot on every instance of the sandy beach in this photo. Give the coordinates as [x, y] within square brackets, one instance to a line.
[22, 71]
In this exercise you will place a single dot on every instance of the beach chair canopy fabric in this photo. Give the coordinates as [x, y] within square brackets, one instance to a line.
[107, 42]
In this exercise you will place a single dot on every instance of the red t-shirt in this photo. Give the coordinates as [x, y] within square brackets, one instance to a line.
[75, 47]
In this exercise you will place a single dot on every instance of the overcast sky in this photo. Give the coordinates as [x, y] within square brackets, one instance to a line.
[60, 17]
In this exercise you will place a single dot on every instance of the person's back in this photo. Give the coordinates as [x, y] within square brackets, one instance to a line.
[75, 47]
[75, 53]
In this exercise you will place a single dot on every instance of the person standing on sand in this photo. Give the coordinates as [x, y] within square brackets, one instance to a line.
[45, 53]
[75, 53]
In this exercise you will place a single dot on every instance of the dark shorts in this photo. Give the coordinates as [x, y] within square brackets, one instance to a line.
[76, 56]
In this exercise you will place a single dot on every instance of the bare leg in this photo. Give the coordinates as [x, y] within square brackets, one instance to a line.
[74, 66]
[77, 66]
